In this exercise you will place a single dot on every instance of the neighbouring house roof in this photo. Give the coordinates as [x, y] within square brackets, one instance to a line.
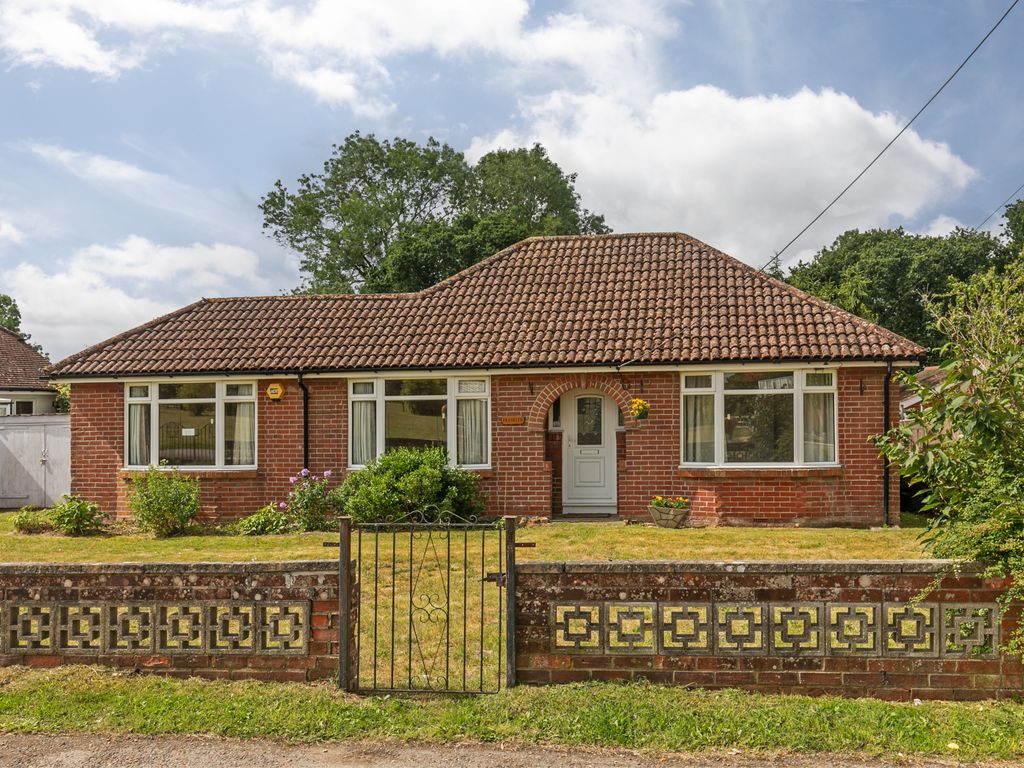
[931, 376]
[546, 301]
[21, 367]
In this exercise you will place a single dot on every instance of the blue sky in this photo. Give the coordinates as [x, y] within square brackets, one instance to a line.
[137, 136]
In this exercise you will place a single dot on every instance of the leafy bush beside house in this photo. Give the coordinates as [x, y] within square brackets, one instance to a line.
[311, 505]
[405, 481]
[266, 521]
[164, 502]
[77, 517]
[32, 520]
[964, 448]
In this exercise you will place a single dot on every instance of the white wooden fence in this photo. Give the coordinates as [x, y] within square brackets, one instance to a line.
[35, 460]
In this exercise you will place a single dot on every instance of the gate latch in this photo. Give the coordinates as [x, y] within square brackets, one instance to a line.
[496, 578]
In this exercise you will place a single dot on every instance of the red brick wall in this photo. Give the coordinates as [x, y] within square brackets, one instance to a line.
[528, 458]
[525, 475]
[77, 608]
[774, 656]
[97, 448]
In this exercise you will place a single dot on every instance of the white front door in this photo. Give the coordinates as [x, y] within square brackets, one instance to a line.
[588, 453]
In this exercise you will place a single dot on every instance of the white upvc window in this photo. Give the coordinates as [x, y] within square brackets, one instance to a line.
[752, 418]
[414, 412]
[190, 424]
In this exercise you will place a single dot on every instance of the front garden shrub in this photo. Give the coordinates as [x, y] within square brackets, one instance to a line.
[406, 482]
[164, 502]
[76, 516]
[311, 505]
[266, 521]
[33, 520]
[963, 448]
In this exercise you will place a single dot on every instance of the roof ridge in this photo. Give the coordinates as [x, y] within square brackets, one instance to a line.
[70, 359]
[462, 274]
[792, 289]
[301, 296]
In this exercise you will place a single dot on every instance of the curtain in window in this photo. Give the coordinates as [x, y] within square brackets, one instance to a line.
[699, 428]
[364, 432]
[471, 432]
[243, 435]
[138, 434]
[819, 427]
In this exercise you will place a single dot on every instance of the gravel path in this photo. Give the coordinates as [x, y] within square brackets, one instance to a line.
[72, 751]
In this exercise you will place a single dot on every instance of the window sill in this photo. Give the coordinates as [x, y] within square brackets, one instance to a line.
[728, 473]
[237, 473]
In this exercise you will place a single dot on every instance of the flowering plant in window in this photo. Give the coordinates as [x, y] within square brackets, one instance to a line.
[671, 502]
[640, 409]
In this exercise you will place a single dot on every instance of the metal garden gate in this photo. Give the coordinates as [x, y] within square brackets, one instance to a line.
[426, 606]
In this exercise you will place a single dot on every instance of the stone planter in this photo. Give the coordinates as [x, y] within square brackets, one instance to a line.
[670, 517]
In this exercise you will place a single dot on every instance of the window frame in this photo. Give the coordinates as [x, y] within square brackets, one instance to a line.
[450, 400]
[799, 388]
[220, 398]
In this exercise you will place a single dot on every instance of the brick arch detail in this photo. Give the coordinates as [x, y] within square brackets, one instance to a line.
[538, 418]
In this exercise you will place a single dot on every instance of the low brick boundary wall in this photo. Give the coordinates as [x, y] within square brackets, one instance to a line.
[265, 621]
[847, 628]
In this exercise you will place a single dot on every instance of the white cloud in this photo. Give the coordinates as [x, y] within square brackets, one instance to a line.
[138, 185]
[338, 51]
[101, 290]
[744, 174]
[93, 167]
[10, 233]
[941, 226]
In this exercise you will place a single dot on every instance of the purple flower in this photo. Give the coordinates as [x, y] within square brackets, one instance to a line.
[304, 472]
[293, 480]
[327, 474]
[282, 505]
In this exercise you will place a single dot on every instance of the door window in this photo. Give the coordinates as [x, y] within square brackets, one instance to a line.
[588, 420]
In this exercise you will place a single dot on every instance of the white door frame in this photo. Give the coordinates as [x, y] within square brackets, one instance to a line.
[589, 503]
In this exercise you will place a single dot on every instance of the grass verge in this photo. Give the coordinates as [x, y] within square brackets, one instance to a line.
[79, 699]
[558, 541]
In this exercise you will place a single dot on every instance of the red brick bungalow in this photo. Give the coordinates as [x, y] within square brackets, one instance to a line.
[524, 366]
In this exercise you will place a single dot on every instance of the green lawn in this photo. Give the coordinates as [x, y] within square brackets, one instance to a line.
[635, 716]
[557, 541]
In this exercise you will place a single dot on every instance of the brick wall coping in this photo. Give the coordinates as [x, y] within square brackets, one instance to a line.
[106, 569]
[707, 566]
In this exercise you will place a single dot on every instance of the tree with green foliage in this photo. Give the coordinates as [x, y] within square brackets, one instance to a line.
[885, 275]
[964, 448]
[10, 315]
[10, 318]
[388, 216]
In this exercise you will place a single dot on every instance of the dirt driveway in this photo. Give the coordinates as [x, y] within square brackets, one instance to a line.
[72, 751]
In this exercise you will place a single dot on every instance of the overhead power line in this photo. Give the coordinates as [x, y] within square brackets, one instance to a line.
[894, 139]
[1001, 206]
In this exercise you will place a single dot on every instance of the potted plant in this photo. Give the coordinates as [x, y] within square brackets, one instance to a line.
[670, 511]
[640, 409]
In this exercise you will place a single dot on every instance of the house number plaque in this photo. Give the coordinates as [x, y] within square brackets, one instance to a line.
[513, 421]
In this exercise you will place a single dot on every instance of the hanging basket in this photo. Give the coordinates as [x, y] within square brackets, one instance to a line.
[640, 409]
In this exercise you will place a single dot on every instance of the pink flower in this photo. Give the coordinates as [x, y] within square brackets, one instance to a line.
[327, 474]
[293, 480]
[304, 472]
[282, 505]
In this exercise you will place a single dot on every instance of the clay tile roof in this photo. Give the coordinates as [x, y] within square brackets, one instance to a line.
[21, 367]
[546, 301]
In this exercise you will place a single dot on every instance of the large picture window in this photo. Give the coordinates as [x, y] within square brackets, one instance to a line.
[415, 413]
[190, 424]
[759, 418]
